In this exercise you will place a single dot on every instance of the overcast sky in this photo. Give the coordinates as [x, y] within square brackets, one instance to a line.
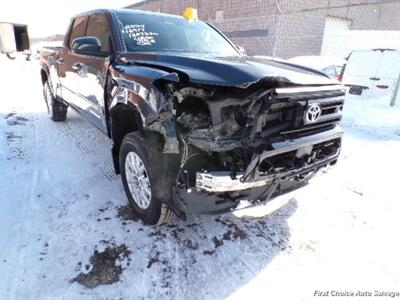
[48, 17]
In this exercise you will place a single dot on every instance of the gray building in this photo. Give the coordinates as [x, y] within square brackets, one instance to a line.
[13, 37]
[286, 28]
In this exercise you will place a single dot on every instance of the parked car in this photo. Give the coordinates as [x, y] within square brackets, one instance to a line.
[330, 65]
[372, 73]
[14, 38]
[196, 126]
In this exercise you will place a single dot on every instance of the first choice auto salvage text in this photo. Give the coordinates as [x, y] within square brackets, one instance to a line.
[358, 293]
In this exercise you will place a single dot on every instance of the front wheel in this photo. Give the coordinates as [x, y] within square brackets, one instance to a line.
[57, 110]
[142, 180]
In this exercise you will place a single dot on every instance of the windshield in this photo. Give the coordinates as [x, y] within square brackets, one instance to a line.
[145, 32]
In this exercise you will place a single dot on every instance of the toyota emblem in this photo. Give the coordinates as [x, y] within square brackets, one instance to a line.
[312, 114]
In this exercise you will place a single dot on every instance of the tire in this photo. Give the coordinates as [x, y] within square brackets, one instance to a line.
[136, 152]
[57, 110]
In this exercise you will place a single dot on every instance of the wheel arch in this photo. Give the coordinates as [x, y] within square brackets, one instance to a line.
[124, 118]
[133, 104]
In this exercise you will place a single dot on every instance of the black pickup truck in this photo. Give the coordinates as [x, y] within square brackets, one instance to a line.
[197, 126]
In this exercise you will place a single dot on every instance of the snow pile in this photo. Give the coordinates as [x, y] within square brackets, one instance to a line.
[374, 116]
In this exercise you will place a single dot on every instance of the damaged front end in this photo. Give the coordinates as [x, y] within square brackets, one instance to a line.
[251, 143]
[246, 142]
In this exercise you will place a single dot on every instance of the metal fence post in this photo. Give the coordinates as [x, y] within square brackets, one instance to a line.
[396, 92]
[277, 25]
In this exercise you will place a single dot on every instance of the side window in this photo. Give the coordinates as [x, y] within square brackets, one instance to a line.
[78, 29]
[98, 27]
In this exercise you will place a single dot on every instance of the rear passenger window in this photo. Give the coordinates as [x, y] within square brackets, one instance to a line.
[78, 29]
[98, 27]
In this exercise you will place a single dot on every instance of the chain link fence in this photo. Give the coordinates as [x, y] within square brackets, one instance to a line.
[316, 33]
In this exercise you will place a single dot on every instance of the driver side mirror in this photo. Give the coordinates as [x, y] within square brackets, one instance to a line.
[88, 45]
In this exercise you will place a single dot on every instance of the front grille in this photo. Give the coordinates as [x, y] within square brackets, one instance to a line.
[330, 99]
[310, 129]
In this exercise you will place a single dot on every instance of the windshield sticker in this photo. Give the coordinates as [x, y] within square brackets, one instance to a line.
[138, 33]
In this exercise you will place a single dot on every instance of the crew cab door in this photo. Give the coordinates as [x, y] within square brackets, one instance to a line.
[83, 77]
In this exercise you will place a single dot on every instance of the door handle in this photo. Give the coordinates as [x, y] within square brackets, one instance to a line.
[76, 67]
[60, 61]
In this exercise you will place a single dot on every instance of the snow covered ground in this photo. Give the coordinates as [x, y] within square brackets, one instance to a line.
[65, 230]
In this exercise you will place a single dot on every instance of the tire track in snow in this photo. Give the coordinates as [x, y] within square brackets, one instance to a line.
[87, 141]
[82, 139]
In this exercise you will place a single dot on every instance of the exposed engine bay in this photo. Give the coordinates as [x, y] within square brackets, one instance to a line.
[237, 139]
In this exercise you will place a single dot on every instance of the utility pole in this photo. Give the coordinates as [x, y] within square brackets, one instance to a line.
[396, 92]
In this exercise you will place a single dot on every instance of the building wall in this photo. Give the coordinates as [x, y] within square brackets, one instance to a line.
[283, 28]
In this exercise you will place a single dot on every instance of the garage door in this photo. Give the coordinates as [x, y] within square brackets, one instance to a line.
[334, 28]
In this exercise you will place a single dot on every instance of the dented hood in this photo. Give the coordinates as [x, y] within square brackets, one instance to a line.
[227, 71]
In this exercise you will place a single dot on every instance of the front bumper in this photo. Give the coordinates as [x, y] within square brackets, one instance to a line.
[217, 192]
